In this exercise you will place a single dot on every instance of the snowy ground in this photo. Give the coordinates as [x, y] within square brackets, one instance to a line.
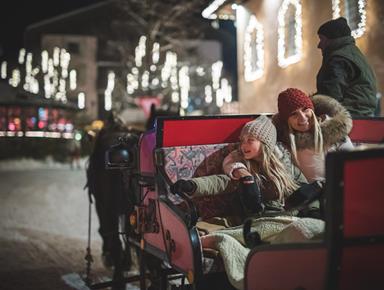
[43, 225]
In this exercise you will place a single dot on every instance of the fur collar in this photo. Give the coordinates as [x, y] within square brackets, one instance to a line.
[335, 122]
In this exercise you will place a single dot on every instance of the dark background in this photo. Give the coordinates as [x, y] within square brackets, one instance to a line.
[16, 15]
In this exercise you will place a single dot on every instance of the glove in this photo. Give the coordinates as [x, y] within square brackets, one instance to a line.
[304, 195]
[250, 195]
[183, 186]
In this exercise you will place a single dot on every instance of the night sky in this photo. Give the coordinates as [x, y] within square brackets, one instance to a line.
[18, 14]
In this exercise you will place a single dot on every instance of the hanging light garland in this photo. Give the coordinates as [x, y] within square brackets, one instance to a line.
[253, 44]
[284, 60]
[361, 26]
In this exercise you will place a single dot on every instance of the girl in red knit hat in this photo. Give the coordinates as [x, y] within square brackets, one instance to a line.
[311, 127]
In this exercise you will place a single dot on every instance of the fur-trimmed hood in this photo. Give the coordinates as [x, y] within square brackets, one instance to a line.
[335, 122]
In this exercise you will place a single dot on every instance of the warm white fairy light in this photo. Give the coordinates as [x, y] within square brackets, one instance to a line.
[56, 56]
[155, 82]
[216, 73]
[361, 26]
[208, 94]
[22, 55]
[145, 80]
[184, 84]
[3, 69]
[335, 9]
[81, 100]
[48, 87]
[226, 89]
[219, 98]
[153, 68]
[200, 71]
[169, 67]
[73, 79]
[175, 97]
[65, 58]
[44, 61]
[14, 81]
[140, 51]
[208, 12]
[284, 60]
[108, 91]
[253, 50]
[156, 52]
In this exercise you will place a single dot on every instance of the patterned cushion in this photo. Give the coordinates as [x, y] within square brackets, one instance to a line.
[186, 162]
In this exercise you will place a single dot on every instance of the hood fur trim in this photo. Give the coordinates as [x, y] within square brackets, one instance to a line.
[335, 122]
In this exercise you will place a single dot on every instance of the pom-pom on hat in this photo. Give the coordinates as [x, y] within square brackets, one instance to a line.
[262, 129]
[290, 100]
[335, 28]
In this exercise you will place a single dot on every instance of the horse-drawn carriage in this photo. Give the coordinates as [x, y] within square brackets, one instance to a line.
[163, 226]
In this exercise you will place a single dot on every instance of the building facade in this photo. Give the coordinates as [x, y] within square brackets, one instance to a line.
[277, 44]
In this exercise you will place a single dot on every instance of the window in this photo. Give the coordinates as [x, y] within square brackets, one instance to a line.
[253, 50]
[354, 12]
[289, 33]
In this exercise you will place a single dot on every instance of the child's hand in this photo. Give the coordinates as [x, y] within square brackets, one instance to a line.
[183, 186]
[241, 172]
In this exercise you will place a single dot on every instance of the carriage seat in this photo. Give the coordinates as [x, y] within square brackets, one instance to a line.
[186, 162]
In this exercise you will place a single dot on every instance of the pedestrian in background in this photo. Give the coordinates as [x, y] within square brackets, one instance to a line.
[345, 74]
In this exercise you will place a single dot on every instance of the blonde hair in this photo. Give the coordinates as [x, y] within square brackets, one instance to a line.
[270, 168]
[317, 137]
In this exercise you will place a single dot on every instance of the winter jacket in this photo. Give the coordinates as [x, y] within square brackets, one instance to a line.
[216, 184]
[346, 76]
[335, 123]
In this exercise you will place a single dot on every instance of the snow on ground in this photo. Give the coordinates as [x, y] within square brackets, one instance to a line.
[31, 164]
[45, 196]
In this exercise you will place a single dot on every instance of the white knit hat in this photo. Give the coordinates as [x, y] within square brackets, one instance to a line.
[262, 129]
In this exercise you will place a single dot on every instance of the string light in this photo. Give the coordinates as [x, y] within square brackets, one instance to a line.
[155, 52]
[15, 79]
[184, 84]
[361, 26]
[208, 12]
[73, 79]
[253, 50]
[21, 55]
[108, 91]
[284, 60]
[3, 70]
[81, 100]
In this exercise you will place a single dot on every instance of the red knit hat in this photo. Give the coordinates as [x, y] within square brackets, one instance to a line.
[290, 100]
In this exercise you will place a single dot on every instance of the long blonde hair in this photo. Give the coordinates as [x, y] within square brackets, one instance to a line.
[269, 167]
[317, 137]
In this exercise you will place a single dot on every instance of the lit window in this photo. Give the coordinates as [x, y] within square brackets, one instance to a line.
[289, 33]
[354, 12]
[253, 50]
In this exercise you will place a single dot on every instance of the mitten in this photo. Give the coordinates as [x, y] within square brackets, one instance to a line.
[183, 186]
[304, 195]
[250, 195]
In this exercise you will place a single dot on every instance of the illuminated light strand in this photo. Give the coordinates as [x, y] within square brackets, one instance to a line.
[361, 26]
[208, 12]
[81, 100]
[21, 55]
[284, 60]
[73, 79]
[108, 91]
[3, 70]
[184, 84]
[253, 71]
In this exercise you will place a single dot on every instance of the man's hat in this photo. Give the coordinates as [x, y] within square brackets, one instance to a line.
[335, 28]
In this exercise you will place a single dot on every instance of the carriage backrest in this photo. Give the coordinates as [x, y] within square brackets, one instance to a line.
[367, 131]
[355, 230]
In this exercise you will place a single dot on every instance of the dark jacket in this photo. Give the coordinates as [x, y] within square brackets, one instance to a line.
[346, 76]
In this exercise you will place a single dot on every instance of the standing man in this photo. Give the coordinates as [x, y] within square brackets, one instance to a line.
[345, 73]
